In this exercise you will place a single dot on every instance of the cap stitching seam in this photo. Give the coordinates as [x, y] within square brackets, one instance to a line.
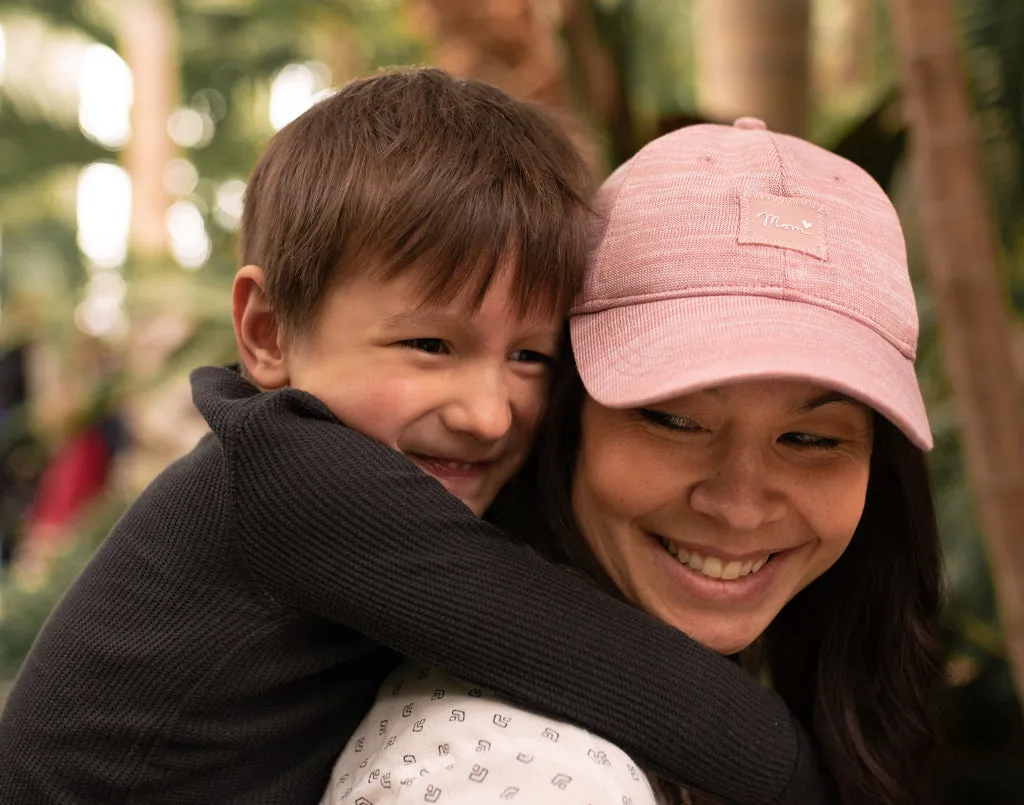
[783, 173]
[599, 306]
[629, 166]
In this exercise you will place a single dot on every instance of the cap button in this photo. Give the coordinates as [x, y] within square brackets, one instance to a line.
[750, 123]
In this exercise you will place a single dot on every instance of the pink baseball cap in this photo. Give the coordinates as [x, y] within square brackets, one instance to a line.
[729, 253]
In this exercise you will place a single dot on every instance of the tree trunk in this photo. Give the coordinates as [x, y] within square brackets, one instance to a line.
[162, 422]
[962, 260]
[602, 86]
[508, 43]
[150, 48]
[844, 44]
[512, 44]
[753, 58]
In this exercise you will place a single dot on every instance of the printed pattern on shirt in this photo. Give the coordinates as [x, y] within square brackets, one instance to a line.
[431, 738]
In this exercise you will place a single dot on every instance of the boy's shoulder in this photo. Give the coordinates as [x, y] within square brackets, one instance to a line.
[231, 404]
[255, 425]
[224, 397]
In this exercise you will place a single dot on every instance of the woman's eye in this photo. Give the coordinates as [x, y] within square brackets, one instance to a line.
[435, 346]
[530, 356]
[810, 440]
[671, 421]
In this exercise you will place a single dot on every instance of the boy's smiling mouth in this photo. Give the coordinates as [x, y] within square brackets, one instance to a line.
[469, 481]
[460, 475]
[450, 467]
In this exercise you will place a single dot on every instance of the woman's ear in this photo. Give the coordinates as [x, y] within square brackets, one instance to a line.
[258, 330]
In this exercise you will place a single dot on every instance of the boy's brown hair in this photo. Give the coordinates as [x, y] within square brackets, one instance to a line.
[416, 169]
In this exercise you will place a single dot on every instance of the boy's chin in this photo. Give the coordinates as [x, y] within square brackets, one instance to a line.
[477, 500]
[477, 504]
[474, 491]
[477, 487]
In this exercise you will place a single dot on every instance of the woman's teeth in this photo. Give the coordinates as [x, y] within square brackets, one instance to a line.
[712, 566]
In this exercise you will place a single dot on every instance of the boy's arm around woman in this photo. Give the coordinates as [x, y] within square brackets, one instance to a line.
[335, 524]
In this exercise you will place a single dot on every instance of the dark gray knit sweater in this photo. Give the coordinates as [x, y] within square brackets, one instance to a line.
[229, 635]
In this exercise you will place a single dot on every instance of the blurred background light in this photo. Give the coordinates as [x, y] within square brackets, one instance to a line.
[296, 88]
[190, 244]
[180, 176]
[228, 211]
[3, 53]
[191, 128]
[104, 206]
[105, 96]
[102, 311]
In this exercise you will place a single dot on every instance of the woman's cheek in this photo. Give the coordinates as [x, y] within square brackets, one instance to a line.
[623, 480]
[834, 513]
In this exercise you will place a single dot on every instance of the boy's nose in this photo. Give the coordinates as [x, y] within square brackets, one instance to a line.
[483, 410]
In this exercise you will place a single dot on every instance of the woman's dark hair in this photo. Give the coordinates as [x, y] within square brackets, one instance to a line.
[856, 655]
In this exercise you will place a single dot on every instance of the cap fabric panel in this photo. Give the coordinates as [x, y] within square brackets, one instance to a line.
[736, 230]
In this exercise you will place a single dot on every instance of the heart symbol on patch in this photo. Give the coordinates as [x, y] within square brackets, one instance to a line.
[807, 224]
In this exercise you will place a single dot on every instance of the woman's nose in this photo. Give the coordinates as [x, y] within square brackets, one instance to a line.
[739, 489]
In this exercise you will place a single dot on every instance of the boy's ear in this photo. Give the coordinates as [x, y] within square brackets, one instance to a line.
[257, 330]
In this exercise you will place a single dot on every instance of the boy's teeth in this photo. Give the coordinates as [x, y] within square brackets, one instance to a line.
[712, 566]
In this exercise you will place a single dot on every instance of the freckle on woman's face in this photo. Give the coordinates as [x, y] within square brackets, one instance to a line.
[712, 510]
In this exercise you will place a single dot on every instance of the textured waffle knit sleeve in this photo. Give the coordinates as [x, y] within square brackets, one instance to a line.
[335, 524]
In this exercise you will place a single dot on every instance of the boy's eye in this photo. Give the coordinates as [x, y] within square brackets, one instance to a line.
[812, 441]
[530, 356]
[671, 422]
[435, 346]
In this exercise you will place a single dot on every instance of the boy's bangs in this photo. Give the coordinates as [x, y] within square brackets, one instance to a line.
[447, 180]
[460, 245]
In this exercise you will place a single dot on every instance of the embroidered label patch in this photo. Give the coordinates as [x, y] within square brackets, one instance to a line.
[789, 223]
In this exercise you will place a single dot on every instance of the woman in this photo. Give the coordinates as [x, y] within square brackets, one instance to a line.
[740, 454]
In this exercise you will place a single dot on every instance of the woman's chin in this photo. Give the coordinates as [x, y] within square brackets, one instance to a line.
[723, 634]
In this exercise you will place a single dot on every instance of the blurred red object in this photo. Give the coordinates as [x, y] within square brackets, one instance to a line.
[76, 475]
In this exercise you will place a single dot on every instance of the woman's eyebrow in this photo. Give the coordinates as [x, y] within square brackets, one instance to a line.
[827, 398]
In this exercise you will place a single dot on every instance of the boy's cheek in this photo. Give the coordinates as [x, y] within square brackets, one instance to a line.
[531, 402]
[363, 400]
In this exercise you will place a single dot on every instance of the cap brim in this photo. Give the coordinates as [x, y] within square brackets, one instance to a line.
[638, 354]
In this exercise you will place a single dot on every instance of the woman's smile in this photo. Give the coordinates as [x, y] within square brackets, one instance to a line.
[713, 563]
[716, 580]
[713, 510]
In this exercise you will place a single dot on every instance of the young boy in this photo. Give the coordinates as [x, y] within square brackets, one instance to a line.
[410, 246]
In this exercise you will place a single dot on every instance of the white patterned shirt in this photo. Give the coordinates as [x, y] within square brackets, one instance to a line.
[431, 738]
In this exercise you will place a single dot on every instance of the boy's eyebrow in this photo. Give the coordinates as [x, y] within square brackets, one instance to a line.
[446, 318]
[424, 316]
